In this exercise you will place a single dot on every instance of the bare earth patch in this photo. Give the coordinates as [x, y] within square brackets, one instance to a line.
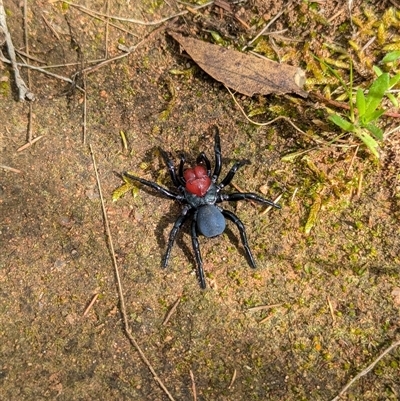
[318, 309]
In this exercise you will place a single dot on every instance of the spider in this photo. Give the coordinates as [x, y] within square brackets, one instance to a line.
[199, 193]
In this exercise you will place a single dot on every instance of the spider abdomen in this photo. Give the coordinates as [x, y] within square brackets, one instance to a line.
[197, 180]
[210, 221]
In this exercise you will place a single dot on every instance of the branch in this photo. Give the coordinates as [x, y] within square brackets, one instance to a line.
[24, 92]
[365, 371]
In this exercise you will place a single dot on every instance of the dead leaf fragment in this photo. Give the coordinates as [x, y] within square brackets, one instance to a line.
[245, 73]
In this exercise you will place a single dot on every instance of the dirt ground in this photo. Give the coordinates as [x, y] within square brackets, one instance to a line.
[329, 301]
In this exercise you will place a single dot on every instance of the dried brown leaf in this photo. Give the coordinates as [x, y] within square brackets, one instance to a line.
[245, 73]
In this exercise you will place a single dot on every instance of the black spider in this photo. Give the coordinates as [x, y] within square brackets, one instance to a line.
[199, 192]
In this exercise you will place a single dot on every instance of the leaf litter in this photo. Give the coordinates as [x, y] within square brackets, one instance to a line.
[245, 73]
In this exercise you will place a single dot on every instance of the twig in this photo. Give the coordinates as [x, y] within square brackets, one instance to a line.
[12, 169]
[125, 54]
[294, 194]
[266, 27]
[23, 147]
[241, 190]
[263, 307]
[331, 310]
[268, 208]
[24, 92]
[193, 386]
[127, 328]
[84, 111]
[233, 379]
[171, 311]
[120, 28]
[139, 22]
[55, 33]
[352, 161]
[345, 106]
[106, 35]
[30, 113]
[359, 186]
[366, 370]
[266, 318]
[42, 70]
[272, 121]
[87, 310]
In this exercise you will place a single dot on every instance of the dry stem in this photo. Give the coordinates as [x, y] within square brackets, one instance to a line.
[124, 315]
[24, 92]
[366, 370]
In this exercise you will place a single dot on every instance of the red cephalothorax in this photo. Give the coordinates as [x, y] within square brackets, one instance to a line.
[197, 180]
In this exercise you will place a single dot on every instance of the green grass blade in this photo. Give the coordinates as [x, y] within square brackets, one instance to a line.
[392, 99]
[342, 123]
[376, 131]
[370, 142]
[377, 70]
[376, 93]
[394, 80]
[360, 102]
[392, 56]
[367, 118]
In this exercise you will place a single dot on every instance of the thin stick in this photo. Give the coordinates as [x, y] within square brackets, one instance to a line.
[27, 145]
[23, 90]
[12, 169]
[345, 106]
[106, 35]
[110, 23]
[119, 284]
[193, 386]
[30, 113]
[55, 33]
[266, 27]
[359, 186]
[294, 194]
[241, 190]
[352, 161]
[171, 311]
[366, 370]
[233, 379]
[127, 53]
[331, 309]
[266, 318]
[135, 21]
[42, 70]
[84, 111]
[272, 121]
[263, 307]
[293, 125]
[94, 298]
[268, 208]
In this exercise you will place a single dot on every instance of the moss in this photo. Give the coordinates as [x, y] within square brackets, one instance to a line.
[5, 88]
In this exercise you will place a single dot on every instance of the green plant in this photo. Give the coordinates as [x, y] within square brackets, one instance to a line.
[365, 111]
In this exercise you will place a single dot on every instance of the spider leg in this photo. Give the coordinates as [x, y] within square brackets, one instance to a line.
[155, 186]
[203, 158]
[218, 155]
[180, 171]
[227, 180]
[171, 168]
[196, 248]
[172, 235]
[238, 196]
[232, 217]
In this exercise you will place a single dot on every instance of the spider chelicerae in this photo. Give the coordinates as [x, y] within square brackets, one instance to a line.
[199, 194]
